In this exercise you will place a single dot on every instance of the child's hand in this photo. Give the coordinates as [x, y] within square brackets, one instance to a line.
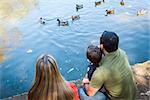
[85, 81]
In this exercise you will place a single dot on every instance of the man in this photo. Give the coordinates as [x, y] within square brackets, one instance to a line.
[114, 72]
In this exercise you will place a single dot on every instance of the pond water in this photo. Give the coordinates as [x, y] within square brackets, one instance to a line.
[68, 44]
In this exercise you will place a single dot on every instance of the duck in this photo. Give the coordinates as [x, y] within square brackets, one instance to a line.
[77, 17]
[122, 3]
[98, 3]
[62, 23]
[141, 12]
[79, 7]
[110, 12]
[42, 21]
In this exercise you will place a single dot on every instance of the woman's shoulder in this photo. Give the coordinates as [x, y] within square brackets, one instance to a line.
[74, 89]
[70, 84]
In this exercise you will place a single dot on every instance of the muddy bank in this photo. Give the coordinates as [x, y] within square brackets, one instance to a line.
[142, 76]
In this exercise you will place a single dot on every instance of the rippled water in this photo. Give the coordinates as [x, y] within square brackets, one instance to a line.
[68, 44]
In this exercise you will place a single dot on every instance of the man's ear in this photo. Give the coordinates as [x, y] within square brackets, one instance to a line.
[101, 46]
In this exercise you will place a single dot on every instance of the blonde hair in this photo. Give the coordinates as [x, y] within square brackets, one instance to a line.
[49, 83]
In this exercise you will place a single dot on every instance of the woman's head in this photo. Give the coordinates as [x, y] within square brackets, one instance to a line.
[48, 84]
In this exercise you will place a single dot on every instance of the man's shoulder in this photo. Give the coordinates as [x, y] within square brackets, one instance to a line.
[101, 69]
[122, 51]
[101, 73]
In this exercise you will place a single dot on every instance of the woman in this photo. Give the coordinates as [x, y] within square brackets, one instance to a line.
[49, 83]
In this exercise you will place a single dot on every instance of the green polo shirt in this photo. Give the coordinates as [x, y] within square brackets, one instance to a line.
[116, 76]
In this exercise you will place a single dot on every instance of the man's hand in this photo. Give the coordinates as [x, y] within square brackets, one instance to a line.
[85, 81]
[90, 90]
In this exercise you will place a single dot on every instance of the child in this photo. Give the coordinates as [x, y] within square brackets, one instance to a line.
[94, 56]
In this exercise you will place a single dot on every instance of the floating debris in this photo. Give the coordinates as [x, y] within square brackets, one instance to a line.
[77, 69]
[21, 81]
[67, 61]
[80, 74]
[70, 70]
[60, 68]
[29, 51]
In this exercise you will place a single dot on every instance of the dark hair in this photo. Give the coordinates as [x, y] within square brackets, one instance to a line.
[110, 41]
[58, 20]
[94, 54]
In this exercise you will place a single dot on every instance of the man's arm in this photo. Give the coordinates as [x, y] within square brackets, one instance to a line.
[90, 90]
[96, 82]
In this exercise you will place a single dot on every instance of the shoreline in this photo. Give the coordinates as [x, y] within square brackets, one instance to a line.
[141, 73]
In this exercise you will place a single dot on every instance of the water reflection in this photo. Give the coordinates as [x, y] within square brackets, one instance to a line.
[11, 11]
[2, 57]
[9, 40]
[15, 9]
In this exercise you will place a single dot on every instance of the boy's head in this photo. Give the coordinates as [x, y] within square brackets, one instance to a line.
[94, 54]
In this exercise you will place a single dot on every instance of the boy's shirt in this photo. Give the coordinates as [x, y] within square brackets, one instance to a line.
[90, 70]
